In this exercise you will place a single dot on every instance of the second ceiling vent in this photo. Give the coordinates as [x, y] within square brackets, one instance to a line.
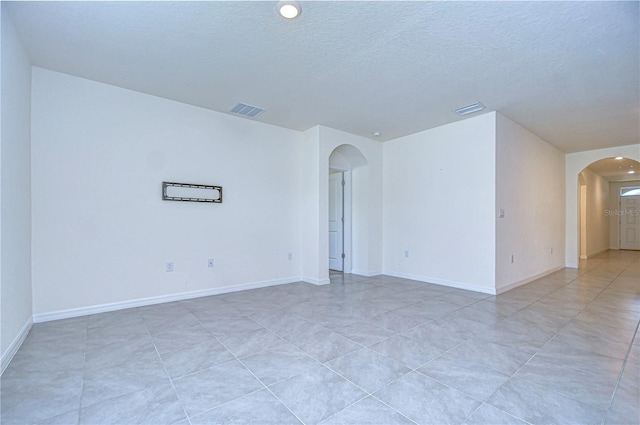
[247, 110]
[470, 109]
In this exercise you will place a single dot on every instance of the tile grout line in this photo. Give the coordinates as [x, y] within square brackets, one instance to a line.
[626, 359]
[321, 364]
[249, 370]
[262, 383]
[84, 369]
[368, 394]
[557, 332]
[624, 364]
[175, 391]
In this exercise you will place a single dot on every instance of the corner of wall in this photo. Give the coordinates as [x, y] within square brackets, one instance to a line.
[527, 222]
[12, 349]
[15, 192]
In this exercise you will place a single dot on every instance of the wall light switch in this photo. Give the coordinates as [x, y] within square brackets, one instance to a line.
[501, 213]
[168, 267]
[210, 262]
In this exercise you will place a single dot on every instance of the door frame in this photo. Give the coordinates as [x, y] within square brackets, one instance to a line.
[346, 225]
[622, 212]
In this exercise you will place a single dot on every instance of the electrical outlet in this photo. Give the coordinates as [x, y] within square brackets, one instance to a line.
[552, 250]
[210, 262]
[406, 254]
[168, 267]
[512, 258]
[290, 256]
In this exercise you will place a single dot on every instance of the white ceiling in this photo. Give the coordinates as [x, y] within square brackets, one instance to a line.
[616, 170]
[568, 71]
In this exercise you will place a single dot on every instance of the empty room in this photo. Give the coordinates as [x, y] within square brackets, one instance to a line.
[320, 212]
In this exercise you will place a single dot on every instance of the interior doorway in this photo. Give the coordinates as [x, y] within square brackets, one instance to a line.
[347, 207]
[336, 220]
[608, 207]
[629, 213]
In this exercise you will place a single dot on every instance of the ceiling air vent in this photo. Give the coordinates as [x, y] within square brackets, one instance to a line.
[247, 110]
[470, 109]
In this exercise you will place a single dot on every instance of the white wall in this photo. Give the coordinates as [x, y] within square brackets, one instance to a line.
[439, 202]
[574, 164]
[597, 229]
[614, 205]
[15, 227]
[311, 268]
[530, 191]
[102, 234]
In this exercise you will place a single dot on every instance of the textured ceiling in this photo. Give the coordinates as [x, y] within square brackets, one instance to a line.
[568, 71]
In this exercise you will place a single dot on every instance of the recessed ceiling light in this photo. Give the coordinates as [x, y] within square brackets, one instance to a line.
[289, 9]
[470, 109]
[376, 133]
[618, 158]
[631, 172]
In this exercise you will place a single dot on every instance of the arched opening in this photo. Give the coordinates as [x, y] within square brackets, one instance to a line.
[346, 177]
[608, 207]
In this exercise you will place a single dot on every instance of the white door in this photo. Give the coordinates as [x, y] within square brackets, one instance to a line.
[630, 222]
[336, 221]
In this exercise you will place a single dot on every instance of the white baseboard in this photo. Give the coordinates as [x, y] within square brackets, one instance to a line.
[102, 308]
[443, 282]
[571, 265]
[593, 254]
[7, 356]
[529, 279]
[366, 273]
[317, 282]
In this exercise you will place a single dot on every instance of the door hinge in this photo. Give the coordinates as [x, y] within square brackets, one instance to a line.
[343, 255]
[343, 182]
[342, 219]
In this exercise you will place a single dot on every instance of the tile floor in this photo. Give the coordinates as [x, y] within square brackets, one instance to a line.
[561, 350]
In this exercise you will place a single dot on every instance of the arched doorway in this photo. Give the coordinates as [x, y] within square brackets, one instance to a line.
[575, 163]
[345, 162]
[608, 206]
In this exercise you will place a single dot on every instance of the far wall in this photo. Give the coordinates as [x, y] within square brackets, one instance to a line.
[443, 192]
[102, 233]
[439, 201]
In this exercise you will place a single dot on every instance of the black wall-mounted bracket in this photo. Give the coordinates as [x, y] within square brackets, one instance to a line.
[191, 192]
